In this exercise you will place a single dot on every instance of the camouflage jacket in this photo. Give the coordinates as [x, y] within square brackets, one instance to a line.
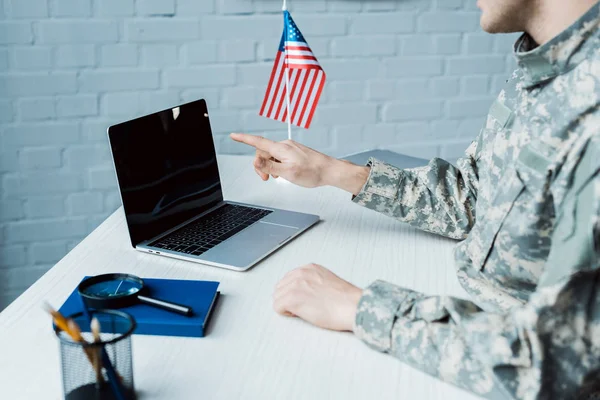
[525, 201]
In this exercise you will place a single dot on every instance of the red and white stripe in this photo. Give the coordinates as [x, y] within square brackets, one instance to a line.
[306, 81]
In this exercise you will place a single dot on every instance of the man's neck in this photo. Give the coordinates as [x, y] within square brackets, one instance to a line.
[551, 17]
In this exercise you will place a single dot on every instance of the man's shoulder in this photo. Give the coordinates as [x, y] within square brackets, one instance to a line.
[586, 75]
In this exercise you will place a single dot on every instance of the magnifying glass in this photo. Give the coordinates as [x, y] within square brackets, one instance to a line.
[122, 290]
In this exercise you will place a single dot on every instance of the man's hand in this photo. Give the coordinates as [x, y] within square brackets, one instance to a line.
[318, 296]
[288, 159]
[302, 165]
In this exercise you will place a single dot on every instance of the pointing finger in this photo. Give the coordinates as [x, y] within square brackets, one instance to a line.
[258, 142]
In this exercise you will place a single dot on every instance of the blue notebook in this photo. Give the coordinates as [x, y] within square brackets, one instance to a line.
[202, 296]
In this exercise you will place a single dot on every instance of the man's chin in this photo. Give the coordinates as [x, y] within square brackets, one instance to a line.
[487, 25]
[493, 22]
[491, 26]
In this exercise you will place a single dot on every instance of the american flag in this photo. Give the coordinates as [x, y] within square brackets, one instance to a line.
[305, 79]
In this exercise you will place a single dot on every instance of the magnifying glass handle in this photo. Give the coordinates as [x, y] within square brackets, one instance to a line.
[165, 305]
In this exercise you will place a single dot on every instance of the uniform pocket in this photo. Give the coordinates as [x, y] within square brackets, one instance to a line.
[530, 174]
[499, 209]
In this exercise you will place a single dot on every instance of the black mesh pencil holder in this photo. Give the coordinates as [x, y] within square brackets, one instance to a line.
[84, 374]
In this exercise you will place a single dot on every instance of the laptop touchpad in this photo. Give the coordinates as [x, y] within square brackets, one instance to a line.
[250, 244]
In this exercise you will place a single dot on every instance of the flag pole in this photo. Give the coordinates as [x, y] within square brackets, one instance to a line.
[287, 76]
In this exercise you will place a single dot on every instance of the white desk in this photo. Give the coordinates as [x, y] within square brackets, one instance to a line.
[250, 352]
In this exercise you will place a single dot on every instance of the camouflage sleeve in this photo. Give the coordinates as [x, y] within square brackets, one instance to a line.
[547, 348]
[438, 198]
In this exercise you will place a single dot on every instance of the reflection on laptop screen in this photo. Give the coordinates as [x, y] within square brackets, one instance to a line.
[166, 167]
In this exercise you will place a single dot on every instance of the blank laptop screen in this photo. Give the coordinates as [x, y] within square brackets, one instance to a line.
[166, 167]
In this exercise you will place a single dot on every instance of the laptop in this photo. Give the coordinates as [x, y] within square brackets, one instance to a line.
[168, 177]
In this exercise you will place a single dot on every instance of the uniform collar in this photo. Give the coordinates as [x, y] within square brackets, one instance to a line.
[561, 54]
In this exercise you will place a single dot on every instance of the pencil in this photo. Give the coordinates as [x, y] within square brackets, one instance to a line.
[70, 327]
[59, 320]
[76, 336]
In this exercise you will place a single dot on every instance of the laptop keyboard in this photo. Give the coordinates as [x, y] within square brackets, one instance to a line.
[208, 231]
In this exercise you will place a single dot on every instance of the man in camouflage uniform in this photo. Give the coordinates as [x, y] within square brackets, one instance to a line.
[524, 200]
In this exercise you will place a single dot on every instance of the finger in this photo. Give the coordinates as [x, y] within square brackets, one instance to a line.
[269, 166]
[263, 176]
[258, 163]
[293, 289]
[305, 273]
[285, 289]
[285, 284]
[284, 305]
[258, 142]
[290, 276]
[263, 154]
[259, 160]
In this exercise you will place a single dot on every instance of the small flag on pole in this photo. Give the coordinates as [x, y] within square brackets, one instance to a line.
[296, 80]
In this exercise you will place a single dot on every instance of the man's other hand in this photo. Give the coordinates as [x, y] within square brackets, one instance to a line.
[302, 165]
[318, 296]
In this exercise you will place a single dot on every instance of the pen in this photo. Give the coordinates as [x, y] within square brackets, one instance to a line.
[95, 327]
[113, 378]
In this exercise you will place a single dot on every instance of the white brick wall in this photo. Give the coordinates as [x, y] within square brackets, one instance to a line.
[415, 76]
